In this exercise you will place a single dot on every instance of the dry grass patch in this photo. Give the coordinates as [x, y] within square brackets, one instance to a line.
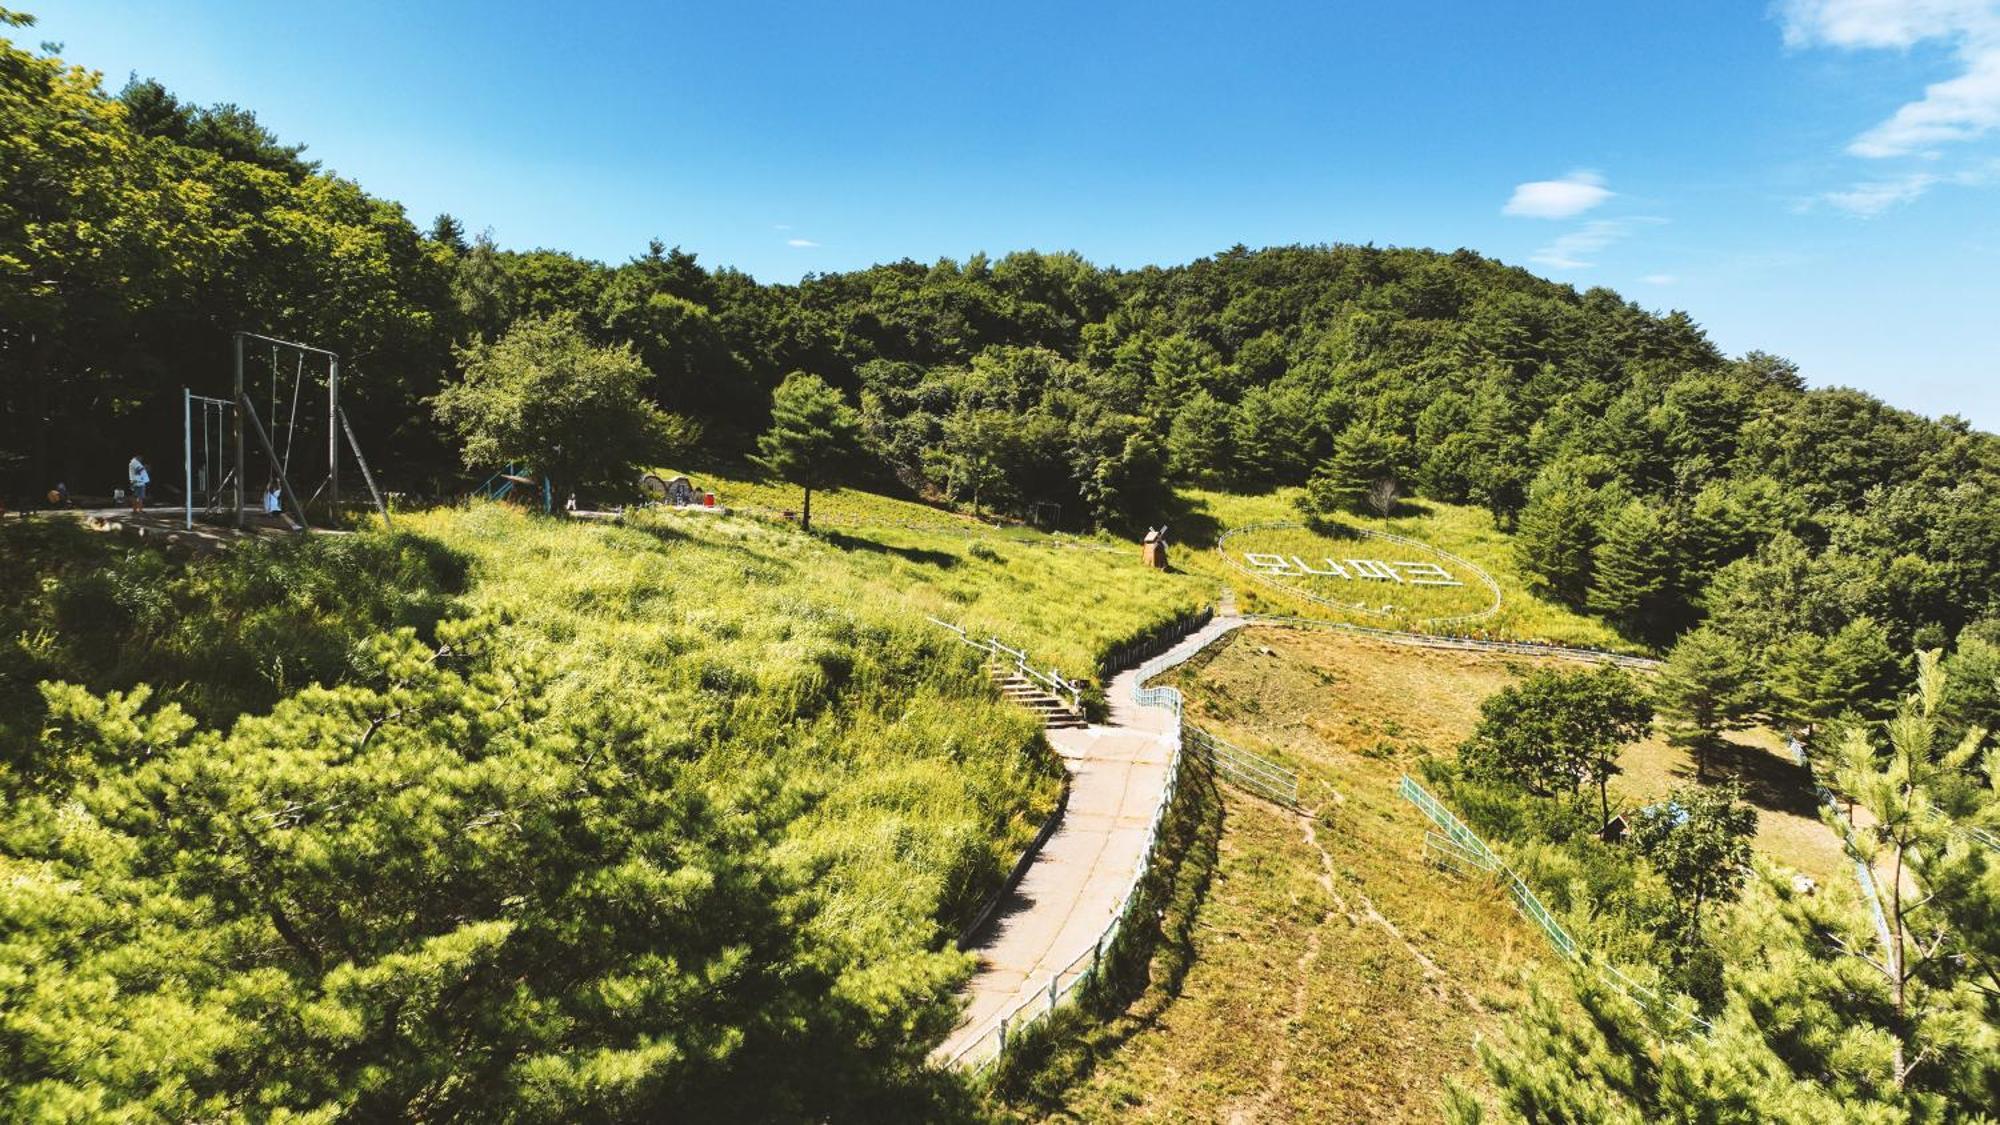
[1789, 830]
[1357, 997]
[1337, 977]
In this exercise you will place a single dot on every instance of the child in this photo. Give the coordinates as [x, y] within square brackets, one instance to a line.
[136, 474]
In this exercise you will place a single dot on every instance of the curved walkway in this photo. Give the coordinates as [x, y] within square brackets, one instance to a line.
[1117, 775]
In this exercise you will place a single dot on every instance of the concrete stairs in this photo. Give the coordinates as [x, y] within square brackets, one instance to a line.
[1056, 714]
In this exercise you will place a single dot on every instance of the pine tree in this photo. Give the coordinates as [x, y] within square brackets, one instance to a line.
[813, 434]
[1633, 572]
[1822, 1019]
[449, 233]
[1198, 442]
[1818, 679]
[1706, 688]
[1363, 455]
[1934, 883]
[1556, 537]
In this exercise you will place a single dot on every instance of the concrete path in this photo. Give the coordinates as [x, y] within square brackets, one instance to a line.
[1117, 772]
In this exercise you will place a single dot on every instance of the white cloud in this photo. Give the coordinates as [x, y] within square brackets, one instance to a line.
[1558, 199]
[1956, 109]
[801, 243]
[1659, 279]
[1873, 198]
[1575, 250]
[1878, 23]
[781, 226]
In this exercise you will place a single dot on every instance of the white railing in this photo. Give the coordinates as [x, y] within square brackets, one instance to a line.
[1052, 681]
[1469, 644]
[1241, 768]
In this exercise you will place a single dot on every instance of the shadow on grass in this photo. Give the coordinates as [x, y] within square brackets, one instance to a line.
[943, 560]
[1768, 781]
[1190, 522]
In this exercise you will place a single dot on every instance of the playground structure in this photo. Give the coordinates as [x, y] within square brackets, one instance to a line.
[515, 479]
[226, 454]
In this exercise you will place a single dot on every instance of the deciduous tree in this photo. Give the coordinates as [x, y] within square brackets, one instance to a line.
[1558, 731]
[544, 396]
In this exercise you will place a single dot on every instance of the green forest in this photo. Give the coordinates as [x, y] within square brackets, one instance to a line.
[501, 817]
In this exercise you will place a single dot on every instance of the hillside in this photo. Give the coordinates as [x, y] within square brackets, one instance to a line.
[523, 791]
[758, 725]
[1654, 481]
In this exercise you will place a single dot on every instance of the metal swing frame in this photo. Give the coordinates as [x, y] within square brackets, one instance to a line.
[241, 408]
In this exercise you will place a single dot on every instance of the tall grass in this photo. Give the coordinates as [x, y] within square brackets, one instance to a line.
[802, 664]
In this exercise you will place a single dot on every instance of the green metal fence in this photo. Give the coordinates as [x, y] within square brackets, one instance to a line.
[1247, 771]
[1462, 849]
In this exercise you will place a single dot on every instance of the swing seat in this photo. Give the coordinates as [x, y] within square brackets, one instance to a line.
[517, 480]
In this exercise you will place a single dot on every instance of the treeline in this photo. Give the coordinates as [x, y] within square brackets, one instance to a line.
[1650, 478]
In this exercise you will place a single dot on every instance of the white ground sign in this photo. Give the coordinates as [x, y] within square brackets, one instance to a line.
[1378, 570]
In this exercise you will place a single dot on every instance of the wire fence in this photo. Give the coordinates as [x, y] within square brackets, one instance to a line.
[1461, 643]
[1464, 849]
[1245, 770]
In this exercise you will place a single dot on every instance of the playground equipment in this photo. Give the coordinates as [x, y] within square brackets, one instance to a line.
[223, 431]
[507, 481]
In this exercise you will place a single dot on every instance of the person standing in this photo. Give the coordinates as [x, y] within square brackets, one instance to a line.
[139, 478]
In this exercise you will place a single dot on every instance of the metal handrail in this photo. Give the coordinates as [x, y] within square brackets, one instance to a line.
[983, 1050]
[1053, 679]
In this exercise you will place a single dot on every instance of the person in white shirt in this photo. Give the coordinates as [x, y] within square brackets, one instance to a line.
[273, 501]
[139, 478]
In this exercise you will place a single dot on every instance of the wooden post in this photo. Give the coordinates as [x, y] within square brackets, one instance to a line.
[187, 454]
[264, 439]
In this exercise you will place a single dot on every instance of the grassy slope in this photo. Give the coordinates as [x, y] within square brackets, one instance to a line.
[743, 634]
[1301, 1006]
[1066, 599]
[1467, 532]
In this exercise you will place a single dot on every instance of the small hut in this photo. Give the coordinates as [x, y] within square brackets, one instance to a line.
[1154, 550]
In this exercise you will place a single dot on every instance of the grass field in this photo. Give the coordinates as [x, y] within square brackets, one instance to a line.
[1462, 531]
[1789, 830]
[1207, 514]
[1337, 976]
[1066, 599]
[717, 613]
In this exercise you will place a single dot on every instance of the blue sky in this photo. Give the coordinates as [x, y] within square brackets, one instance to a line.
[1817, 178]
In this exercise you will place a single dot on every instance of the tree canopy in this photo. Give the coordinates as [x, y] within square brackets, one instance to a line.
[543, 396]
